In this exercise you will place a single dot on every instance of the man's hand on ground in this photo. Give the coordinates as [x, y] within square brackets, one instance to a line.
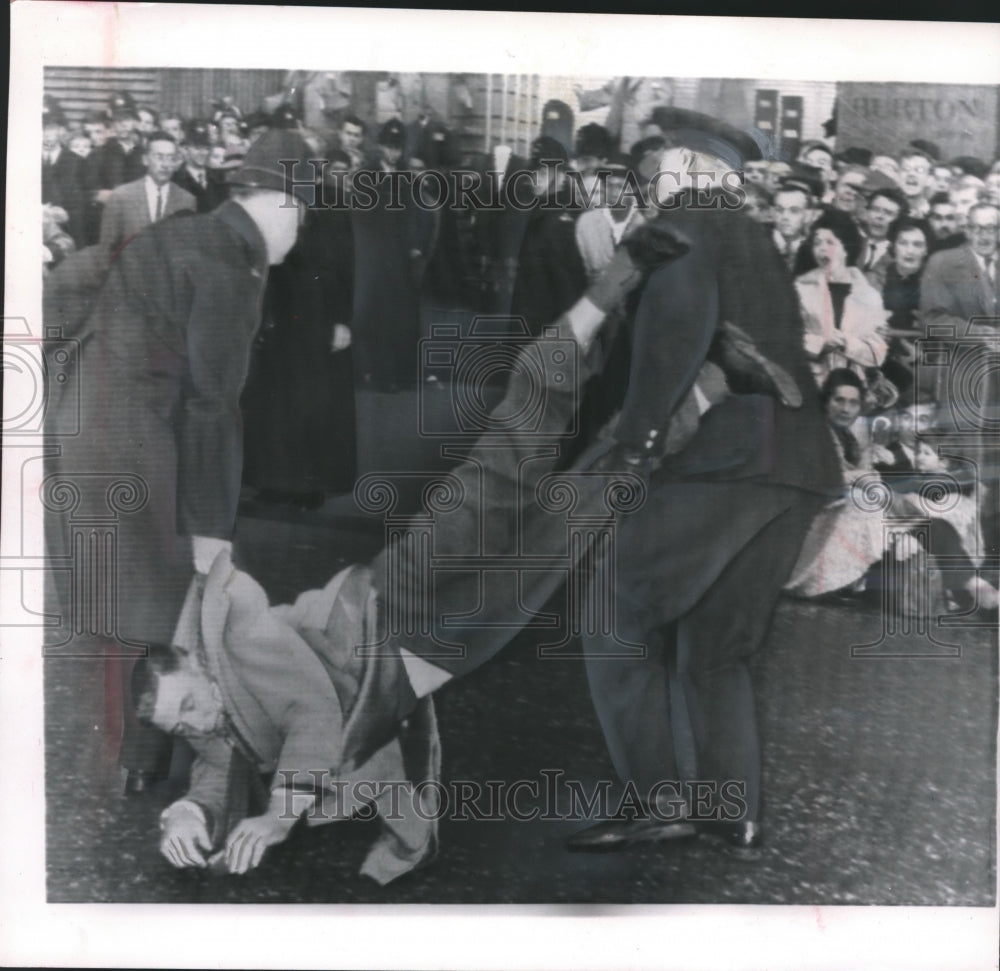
[184, 835]
[247, 842]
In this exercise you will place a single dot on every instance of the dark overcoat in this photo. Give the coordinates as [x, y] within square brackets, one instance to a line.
[164, 351]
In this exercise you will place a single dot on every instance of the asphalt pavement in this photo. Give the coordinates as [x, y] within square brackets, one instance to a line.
[879, 772]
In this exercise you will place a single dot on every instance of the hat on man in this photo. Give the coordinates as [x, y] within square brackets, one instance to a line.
[121, 100]
[197, 134]
[392, 134]
[547, 149]
[52, 113]
[122, 112]
[284, 116]
[971, 165]
[594, 140]
[703, 133]
[262, 169]
[807, 178]
[876, 180]
[930, 149]
[855, 156]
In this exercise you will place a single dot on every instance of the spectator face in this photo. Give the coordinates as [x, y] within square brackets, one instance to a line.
[829, 250]
[173, 127]
[909, 251]
[197, 155]
[844, 406]
[915, 172]
[887, 165]
[546, 178]
[391, 155]
[217, 157]
[993, 188]
[187, 703]
[925, 458]
[587, 164]
[943, 219]
[97, 132]
[963, 199]
[848, 197]
[820, 160]
[80, 145]
[124, 128]
[161, 161]
[914, 422]
[229, 127]
[941, 179]
[350, 137]
[755, 172]
[52, 137]
[983, 229]
[147, 122]
[756, 208]
[791, 212]
[880, 213]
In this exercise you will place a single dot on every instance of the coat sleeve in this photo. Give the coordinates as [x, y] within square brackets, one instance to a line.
[223, 317]
[210, 774]
[938, 299]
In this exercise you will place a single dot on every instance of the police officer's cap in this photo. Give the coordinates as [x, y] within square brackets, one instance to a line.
[702, 133]
[262, 168]
[392, 134]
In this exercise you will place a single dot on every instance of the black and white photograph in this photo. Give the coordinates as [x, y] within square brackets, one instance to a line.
[445, 466]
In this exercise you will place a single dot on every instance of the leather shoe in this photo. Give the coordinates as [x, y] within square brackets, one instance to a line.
[742, 839]
[139, 782]
[616, 834]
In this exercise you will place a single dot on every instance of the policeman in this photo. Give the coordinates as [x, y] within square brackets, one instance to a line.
[702, 562]
[165, 347]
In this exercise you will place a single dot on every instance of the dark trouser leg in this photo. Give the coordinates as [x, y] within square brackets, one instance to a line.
[717, 638]
[723, 608]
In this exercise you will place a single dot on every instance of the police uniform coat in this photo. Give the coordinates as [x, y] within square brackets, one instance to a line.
[701, 563]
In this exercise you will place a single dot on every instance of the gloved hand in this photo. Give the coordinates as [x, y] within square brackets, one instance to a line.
[653, 242]
[184, 834]
[206, 549]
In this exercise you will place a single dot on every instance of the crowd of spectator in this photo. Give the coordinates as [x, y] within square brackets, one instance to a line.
[884, 249]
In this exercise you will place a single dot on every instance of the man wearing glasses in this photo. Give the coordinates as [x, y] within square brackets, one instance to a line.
[133, 206]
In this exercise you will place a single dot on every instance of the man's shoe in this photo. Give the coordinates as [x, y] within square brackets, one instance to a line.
[741, 839]
[616, 834]
[139, 782]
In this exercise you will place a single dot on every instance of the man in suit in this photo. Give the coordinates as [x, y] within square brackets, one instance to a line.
[703, 560]
[884, 206]
[133, 206]
[165, 343]
[961, 289]
[62, 176]
[961, 283]
[194, 176]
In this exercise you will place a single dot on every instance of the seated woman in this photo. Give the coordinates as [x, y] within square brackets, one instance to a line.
[845, 540]
[909, 245]
[842, 312]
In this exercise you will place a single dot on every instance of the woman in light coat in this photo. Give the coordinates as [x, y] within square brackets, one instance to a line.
[842, 312]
